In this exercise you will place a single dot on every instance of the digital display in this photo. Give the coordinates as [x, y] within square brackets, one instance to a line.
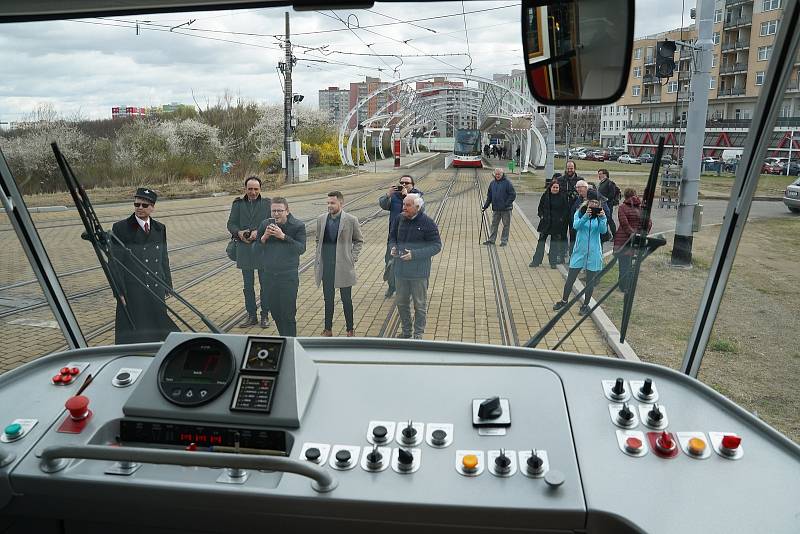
[183, 435]
[200, 363]
[196, 372]
[254, 393]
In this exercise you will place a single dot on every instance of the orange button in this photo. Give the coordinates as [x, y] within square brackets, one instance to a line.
[697, 446]
[469, 461]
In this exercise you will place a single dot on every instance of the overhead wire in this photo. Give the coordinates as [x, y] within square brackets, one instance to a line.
[466, 36]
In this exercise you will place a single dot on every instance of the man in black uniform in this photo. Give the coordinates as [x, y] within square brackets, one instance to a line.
[283, 241]
[146, 239]
[247, 212]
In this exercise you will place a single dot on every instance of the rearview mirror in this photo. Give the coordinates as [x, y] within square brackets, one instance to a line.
[577, 52]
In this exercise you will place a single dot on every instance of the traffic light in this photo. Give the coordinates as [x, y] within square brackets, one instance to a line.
[665, 59]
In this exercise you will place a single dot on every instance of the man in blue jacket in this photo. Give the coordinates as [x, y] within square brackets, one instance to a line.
[501, 196]
[392, 202]
[413, 241]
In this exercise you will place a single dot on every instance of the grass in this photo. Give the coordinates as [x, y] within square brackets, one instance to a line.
[723, 345]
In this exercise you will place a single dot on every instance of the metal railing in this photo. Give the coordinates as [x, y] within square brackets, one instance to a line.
[733, 91]
[650, 60]
[686, 52]
[684, 95]
[783, 122]
[650, 79]
[684, 75]
[738, 21]
[736, 45]
[651, 98]
[732, 69]
[737, 2]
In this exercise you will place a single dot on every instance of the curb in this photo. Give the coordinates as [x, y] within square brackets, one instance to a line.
[607, 328]
[42, 209]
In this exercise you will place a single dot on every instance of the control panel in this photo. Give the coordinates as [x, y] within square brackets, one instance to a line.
[358, 436]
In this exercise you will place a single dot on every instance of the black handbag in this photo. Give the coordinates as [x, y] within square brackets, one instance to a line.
[230, 250]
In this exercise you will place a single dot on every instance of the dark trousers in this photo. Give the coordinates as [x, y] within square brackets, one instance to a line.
[497, 216]
[556, 254]
[386, 258]
[282, 294]
[572, 276]
[248, 276]
[624, 271]
[329, 293]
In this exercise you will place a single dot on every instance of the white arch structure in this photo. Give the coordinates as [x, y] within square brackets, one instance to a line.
[418, 108]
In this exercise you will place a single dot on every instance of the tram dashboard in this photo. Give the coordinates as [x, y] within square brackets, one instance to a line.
[215, 433]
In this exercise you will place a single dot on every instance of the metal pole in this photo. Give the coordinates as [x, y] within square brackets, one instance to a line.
[789, 163]
[695, 135]
[550, 162]
[287, 105]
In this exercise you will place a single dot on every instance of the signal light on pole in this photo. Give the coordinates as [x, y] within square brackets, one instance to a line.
[665, 59]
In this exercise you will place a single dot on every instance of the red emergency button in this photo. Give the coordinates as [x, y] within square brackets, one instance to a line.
[78, 407]
[64, 370]
[74, 371]
[633, 445]
[665, 443]
[730, 445]
[66, 379]
[57, 379]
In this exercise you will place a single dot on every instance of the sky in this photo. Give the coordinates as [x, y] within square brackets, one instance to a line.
[84, 67]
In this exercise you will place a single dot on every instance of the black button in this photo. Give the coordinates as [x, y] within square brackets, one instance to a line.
[409, 432]
[379, 433]
[438, 436]
[123, 377]
[343, 456]
[176, 392]
[374, 457]
[312, 454]
[647, 387]
[535, 463]
[619, 387]
[502, 461]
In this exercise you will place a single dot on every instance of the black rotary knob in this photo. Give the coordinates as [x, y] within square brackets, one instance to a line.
[625, 413]
[379, 433]
[312, 454]
[655, 414]
[409, 432]
[535, 462]
[438, 437]
[647, 388]
[619, 387]
[404, 457]
[343, 457]
[374, 457]
[502, 462]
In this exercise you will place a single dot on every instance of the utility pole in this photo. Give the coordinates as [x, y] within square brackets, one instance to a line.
[287, 105]
[695, 134]
[550, 162]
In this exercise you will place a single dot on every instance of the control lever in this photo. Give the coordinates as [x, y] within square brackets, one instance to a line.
[490, 408]
[236, 472]
[55, 459]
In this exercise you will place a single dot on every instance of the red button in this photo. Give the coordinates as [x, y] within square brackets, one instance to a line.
[78, 407]
[64, 370]
[665, 442]
[633, 444]
[74, 371]
[57, 379]
[66, 379]
[731, 442]
[191, 447]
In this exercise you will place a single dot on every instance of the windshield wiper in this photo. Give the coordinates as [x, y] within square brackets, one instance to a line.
[640, 243]
[105, 245]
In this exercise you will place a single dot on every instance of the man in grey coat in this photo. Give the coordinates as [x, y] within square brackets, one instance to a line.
[247, 212]
[339, 243]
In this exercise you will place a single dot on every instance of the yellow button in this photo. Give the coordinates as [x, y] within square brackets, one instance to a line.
[469, 461]
[697, 446]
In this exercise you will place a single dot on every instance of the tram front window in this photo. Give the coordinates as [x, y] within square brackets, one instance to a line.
[166, 122]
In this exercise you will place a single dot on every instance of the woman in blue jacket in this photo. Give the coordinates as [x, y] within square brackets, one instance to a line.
[589, 223]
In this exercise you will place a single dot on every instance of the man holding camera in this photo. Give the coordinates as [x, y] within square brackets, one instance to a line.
[501, 196]
[246, 214]
[392, 202]
[282, 239]
[413, 241]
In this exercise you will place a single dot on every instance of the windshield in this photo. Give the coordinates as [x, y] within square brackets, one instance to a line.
[176, 125]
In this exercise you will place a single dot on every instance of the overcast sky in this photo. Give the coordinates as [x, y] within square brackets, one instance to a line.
[85, 67]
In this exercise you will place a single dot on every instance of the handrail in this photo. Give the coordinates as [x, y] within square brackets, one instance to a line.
[57, 458]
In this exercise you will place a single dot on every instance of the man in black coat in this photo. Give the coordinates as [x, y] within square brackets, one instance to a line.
[500, 196]
[144, 239]
[282, 242]
[414, 240]
[392, 201]
[611, 194]
[247, 212]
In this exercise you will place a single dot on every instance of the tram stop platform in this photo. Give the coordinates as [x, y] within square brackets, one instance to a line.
[477, 293]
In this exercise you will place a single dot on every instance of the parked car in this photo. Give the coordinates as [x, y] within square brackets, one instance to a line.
[646, 158]
[666, 159]
[627, 158]
[791, 196]
[794, 168]
[595, 155]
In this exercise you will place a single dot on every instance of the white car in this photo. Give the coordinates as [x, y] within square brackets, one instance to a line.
[627, 158]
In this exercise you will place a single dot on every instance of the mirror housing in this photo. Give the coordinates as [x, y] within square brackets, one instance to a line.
[577, 52]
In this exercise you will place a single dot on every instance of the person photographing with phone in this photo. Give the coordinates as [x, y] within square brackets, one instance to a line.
[392, 201]
[413, 240]
[590, 222]
[282, 240]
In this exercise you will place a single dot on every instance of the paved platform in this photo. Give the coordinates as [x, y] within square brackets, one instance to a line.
[467, 302]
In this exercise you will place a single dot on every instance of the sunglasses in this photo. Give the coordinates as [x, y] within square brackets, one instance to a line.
[405, 183]
[141, 205]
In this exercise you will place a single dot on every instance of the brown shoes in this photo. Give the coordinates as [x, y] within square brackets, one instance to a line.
[351, 333]
[326, 333]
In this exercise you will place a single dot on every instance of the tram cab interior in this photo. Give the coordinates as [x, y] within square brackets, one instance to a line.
[220, 432]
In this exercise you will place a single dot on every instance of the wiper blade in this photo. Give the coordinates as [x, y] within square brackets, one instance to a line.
[105, 245]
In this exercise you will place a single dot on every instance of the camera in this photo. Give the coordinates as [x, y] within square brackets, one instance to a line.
[397, 188]
[594, 211]
[271, 220]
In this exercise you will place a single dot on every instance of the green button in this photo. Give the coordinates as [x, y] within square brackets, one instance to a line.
[13, 430]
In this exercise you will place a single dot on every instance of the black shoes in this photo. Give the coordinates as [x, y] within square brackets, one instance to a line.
[584, 310]
[560, 304]
[503, 243]
[488, 242]
[531, 264]
[251, 320]
[265, 321]
[389, 293]
[553, 266]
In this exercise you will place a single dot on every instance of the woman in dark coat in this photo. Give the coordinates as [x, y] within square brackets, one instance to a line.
[630, 221]
[553, 221]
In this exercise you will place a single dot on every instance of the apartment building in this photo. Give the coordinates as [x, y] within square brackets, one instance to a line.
[744, 33]
[613, 125]
[336, 103]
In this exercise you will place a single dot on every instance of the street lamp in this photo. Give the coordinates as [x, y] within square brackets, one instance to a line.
[297, 98]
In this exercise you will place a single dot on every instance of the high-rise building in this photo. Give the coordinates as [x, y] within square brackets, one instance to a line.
[613, 125]
[744, 33]
[336, 103]
[119, 112]
[360, 90]
[451, 97]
